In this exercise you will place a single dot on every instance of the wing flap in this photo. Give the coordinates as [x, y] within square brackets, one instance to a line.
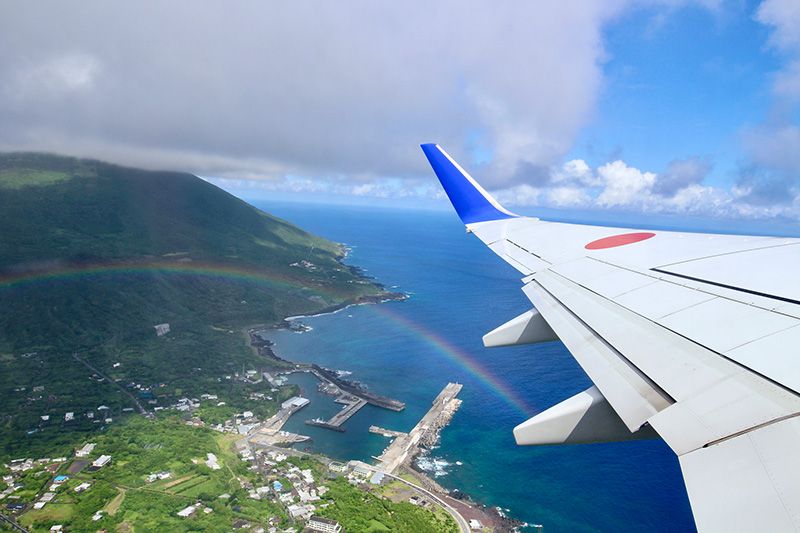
[633, 396]
[714, 397]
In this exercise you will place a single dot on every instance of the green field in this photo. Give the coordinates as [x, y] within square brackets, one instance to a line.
[140, 447]
[129, 502]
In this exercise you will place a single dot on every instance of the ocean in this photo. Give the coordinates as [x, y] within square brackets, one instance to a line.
[409, 350]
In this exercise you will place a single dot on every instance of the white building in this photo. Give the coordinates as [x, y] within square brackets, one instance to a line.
[101, 461]
[324, 525]
[189, 511]
[301, 511]
[158, 476]
[212, 462]
[161, 329]
[86, 450]
[295, 402]
[69, 416]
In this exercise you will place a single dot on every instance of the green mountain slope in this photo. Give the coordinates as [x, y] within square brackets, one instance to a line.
[93, 256]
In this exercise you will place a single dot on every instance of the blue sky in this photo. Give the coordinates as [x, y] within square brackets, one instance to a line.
[643, 106]
[679, 85]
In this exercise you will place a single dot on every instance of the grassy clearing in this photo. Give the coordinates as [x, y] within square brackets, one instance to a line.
[208, 487]
[28, 177]
[52, 512]
[189, 484]
[169, 484]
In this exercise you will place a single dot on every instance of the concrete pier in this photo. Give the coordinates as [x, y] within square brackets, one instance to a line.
[348, 387]
[386, 432]
[425, 433]
[351, 395]
[270, 431]
[352, 404]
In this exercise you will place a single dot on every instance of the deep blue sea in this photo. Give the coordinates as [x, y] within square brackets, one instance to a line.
[409, 350]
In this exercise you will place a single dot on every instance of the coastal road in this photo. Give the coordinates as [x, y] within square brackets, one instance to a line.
[463, 525]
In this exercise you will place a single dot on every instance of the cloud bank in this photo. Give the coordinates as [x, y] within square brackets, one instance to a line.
[314, 88]
[334, 98]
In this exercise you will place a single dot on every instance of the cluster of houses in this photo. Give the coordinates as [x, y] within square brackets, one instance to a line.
[19, 467]
[48, 496]
[98, 416]
[300, 497]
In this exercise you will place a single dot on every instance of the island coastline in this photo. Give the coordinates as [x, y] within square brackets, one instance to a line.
[492, 517]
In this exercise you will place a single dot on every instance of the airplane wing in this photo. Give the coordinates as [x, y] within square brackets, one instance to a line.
[691, 337]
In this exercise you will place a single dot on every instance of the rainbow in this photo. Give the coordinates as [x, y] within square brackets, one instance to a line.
[69, 272]
[271, 279]
[460, 357]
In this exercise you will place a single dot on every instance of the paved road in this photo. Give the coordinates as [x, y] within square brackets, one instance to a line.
[463, 525]
[125, 391]
[13, 524]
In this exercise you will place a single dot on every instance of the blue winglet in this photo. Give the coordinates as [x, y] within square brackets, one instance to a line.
[472, 202]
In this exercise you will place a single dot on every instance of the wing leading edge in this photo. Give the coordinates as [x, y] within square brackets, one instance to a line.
[682, 337]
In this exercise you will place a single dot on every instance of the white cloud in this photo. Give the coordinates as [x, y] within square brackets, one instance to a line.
[787, 83]
[784, 17]
[316, 88]
[620, 186]
[623, 185]
[54, 77]
[769, 171]
[775, 146]
[568, 197]
[577, 171]
[520, 195]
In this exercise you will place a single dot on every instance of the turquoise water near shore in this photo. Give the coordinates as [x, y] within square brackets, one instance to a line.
[409, 350]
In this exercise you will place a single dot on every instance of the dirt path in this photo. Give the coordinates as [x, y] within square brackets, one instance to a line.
[114, 505]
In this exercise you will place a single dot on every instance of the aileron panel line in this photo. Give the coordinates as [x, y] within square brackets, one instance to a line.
[748, 483]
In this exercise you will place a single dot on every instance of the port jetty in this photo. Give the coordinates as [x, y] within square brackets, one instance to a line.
[406, 446]
[351, 395]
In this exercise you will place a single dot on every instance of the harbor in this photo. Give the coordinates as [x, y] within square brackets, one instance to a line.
[397, 462]
[353, 396]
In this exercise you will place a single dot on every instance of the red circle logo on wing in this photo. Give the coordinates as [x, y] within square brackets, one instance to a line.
[618, 240]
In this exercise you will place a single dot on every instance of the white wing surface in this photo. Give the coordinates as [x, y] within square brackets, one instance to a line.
[693, 337]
